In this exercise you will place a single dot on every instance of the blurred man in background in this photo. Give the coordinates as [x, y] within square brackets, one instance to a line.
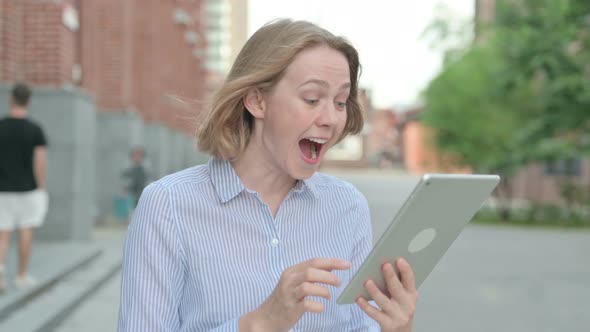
[23, 198]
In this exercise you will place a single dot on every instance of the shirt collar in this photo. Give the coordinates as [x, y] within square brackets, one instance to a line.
[228, 185]
[226, 182]
[307, 185]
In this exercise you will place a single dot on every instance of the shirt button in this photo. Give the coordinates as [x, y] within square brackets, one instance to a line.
[274, 242]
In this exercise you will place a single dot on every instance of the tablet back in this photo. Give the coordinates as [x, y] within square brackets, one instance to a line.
[424, 228]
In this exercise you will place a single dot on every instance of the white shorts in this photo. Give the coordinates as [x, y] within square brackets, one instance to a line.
[22, 210]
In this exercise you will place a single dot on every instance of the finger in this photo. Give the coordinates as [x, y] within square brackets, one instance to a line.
[312, 306]
[407, 275]
[329, 264]
[309, 289]
[384, 302]
[394, 285]
[396, 289]
[315, 275]
[371, 311]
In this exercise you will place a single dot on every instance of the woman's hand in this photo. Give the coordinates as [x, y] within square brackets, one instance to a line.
[397, 309]
[289, 300]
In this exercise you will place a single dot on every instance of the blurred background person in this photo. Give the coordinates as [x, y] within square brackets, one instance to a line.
[135, 178]
[136, 175]
[23, 198]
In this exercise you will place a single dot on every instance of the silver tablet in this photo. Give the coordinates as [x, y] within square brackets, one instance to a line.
[424, 228]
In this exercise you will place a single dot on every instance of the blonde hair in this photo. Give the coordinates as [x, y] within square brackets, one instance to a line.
[227, 127]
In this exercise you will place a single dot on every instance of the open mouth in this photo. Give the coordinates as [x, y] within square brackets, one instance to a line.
[311, 148]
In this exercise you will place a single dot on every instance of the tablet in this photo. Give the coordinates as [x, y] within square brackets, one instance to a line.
[424, 228]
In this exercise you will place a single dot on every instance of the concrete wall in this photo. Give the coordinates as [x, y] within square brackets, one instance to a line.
[157, 142]
[68, 119]
[88, 151]
[169, 151]
[178, 158]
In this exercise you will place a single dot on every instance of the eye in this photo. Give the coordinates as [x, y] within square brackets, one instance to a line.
[340, 105]
[311, 101]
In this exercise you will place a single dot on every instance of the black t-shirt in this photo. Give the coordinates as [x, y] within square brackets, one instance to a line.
[18, 139]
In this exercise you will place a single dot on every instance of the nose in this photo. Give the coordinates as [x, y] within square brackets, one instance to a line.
[327, 116]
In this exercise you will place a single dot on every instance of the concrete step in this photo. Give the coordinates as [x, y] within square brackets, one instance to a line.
[49, 308]
[49, 263]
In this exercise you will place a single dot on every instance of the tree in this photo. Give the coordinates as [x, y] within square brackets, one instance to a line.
[471, 123]
[536, 63]
[522, 95]
[545, 49]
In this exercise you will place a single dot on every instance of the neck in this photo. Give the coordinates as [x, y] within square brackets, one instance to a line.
[18, 112]
[259, 173]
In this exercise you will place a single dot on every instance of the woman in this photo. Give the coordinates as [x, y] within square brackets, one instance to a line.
[256, 240]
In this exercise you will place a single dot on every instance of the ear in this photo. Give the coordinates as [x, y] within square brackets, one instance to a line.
[254, 103]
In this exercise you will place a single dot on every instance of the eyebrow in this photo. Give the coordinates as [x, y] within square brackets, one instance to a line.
[324, 83]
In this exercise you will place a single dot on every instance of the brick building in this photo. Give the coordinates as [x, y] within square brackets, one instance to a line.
[108, 75]
[141, 54]
[129, 54]
[382, 139]
[418, 153]
[34, 44]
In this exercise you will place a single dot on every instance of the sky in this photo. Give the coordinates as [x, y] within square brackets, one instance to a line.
[398, 62]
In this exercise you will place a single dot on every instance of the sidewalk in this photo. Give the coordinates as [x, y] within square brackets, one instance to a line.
[99, 313]
[68, 272]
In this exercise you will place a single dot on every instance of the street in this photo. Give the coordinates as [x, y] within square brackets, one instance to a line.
[491, 279]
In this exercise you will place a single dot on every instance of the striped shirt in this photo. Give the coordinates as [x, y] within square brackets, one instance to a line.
[203, 250]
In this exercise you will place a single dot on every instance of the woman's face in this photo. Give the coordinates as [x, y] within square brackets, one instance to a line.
[305, 112]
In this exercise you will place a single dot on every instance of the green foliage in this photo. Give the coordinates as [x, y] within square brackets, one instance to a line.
[521, 95]
[536, 215]
[544, 46]
[576, 196]
[470, 122]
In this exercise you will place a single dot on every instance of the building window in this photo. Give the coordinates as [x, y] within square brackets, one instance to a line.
[569, 167]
